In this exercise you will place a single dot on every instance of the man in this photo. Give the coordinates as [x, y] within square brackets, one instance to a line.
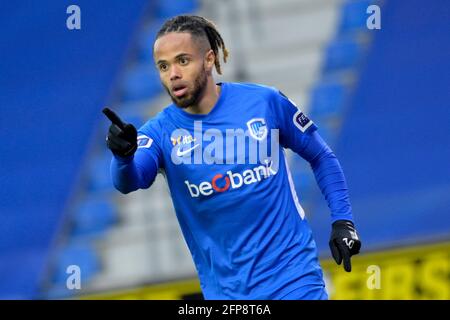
[235, 203]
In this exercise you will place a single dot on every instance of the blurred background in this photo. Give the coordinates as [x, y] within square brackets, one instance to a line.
[381, 99]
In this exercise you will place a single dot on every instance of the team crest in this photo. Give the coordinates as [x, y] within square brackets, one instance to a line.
[257, 128]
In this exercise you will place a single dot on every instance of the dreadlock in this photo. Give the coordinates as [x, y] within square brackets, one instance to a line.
[199, 27]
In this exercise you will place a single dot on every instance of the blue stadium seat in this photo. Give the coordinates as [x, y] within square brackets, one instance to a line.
[146, 40]
[327, 99]
[166, 9]
[141, 82]
[93, 217]
[342, 54]
[163, 10]
[51, 121]
[129, 112]
[354, 16]
[82, 255]
[133, 117]
[99, 174]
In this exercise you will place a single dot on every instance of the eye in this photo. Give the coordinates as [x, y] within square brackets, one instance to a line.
[163, 67]
[184, 61]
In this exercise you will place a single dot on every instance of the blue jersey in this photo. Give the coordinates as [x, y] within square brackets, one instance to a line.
[233, 193]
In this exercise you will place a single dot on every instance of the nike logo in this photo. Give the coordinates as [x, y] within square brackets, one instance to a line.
[181, 153]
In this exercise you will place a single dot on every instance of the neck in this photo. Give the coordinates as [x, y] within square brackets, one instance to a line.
[208, 99]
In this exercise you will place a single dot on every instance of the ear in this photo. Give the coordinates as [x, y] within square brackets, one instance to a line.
[210, 57]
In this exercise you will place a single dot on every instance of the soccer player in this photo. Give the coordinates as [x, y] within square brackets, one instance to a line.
[237, 206]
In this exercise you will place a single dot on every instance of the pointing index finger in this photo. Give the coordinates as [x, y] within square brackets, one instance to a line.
[111, 115]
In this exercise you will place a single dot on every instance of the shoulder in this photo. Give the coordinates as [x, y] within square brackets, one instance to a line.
[154, 126]
[254, 88]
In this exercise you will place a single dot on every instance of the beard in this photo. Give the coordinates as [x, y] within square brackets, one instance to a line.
[192, 96]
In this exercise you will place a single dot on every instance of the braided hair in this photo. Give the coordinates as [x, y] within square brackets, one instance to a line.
[199, 27]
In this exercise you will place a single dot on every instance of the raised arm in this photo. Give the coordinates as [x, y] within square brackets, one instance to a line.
[136, 159]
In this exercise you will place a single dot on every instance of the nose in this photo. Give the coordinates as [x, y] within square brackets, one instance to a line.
[175, 73]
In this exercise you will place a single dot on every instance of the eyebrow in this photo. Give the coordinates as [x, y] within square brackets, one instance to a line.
[177, 57]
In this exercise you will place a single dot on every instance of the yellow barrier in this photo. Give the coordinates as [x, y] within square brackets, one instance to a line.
[421, 272]
[164, 291]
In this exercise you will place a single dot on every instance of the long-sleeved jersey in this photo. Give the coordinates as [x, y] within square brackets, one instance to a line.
[232, 190]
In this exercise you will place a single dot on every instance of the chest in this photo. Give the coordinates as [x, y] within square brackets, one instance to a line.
[246, 138]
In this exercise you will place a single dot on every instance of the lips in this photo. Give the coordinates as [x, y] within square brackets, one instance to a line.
[179, 90]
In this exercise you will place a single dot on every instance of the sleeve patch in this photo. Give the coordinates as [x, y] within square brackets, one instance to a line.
[301, 121]
[144, 141]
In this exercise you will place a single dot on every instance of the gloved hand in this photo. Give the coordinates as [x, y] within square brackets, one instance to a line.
[122, 137]
[344, 242]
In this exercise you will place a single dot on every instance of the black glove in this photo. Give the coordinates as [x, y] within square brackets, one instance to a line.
[344, 242]
[122, 137]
